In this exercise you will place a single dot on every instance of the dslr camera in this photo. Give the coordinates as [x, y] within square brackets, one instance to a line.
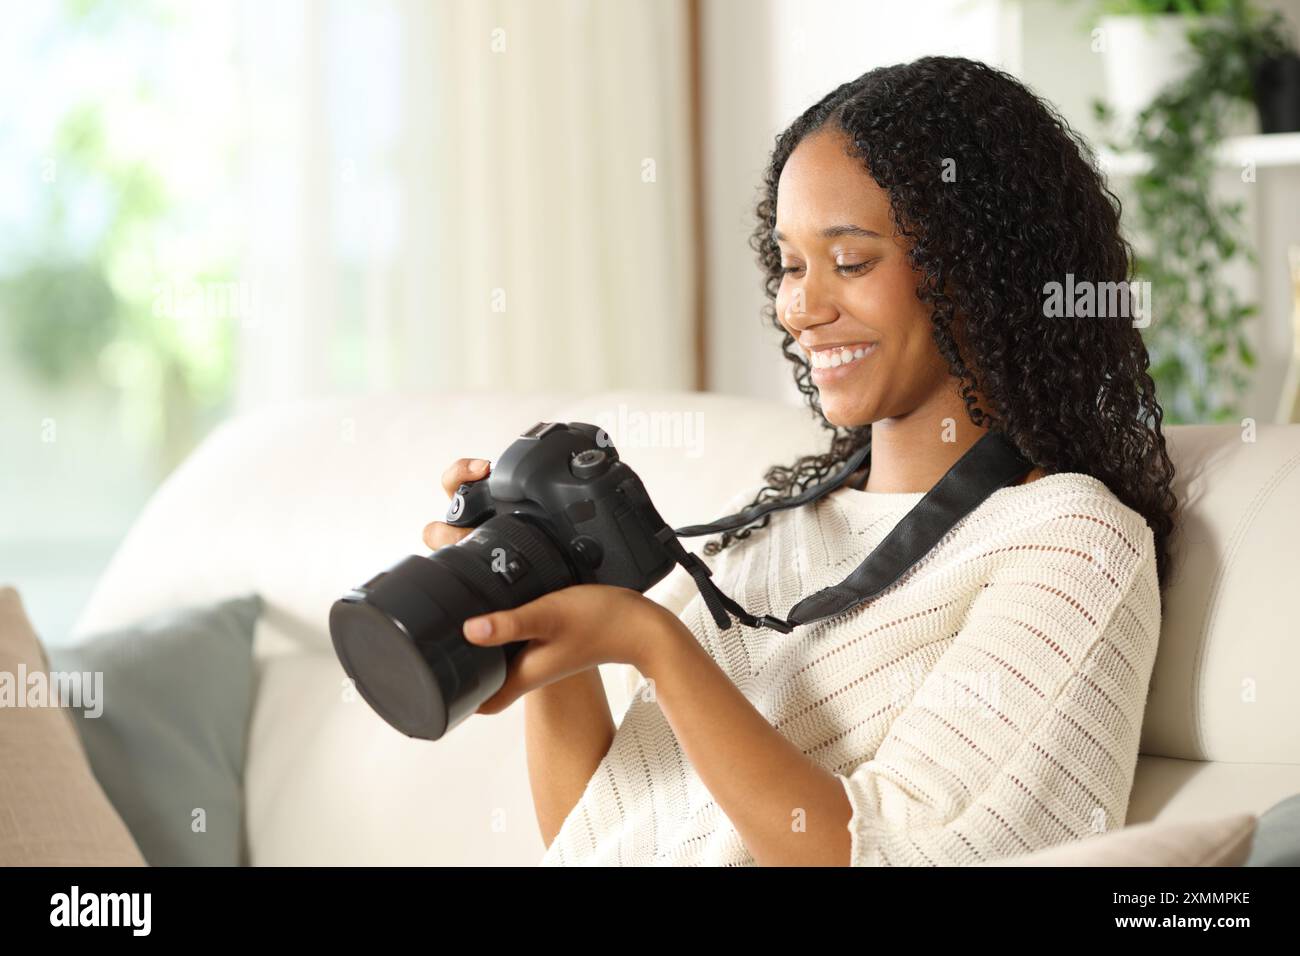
[558, 509]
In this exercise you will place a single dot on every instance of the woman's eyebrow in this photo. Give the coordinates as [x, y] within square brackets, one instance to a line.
[834, 232]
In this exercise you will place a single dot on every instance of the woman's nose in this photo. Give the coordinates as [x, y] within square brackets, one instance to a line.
[804, 309]
[798, 317]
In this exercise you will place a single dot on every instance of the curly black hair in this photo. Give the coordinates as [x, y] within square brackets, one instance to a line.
[1073, 395]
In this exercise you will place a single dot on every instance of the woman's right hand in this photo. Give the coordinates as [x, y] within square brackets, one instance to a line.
[439, 534]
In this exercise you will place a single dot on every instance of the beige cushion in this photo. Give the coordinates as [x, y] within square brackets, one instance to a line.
[52, 810]
[1217, 841]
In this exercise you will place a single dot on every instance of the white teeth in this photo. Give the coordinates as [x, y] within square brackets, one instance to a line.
[834, 358]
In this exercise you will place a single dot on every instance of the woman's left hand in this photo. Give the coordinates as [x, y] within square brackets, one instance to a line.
[571, 630]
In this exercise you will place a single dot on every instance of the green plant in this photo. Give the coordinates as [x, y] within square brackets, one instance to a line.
[1094, 10]
[1185, 236]
[81, 305]
[1153, 7]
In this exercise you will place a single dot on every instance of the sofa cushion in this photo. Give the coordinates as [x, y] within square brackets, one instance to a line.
[169, 746]
[1277, 835]
[1217, 841]
[53, 812]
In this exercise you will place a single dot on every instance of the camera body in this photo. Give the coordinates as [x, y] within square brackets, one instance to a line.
[569, 479]
[559, 509]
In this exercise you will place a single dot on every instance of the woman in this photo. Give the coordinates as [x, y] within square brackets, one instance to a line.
[990, 702]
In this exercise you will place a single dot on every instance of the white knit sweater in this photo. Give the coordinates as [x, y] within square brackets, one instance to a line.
[986, 705]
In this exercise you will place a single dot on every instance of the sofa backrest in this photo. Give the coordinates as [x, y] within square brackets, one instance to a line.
[302, 502]
[1226, 684]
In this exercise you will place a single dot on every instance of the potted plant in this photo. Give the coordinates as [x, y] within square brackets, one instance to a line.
[1144, 48]
[1185, 235]
[1277, 92]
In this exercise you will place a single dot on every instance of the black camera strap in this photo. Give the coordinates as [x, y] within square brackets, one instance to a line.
[991, 463]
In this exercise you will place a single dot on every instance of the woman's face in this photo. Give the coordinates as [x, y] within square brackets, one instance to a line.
[848, 283]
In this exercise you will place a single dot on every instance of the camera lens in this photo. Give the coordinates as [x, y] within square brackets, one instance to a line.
[399, 636]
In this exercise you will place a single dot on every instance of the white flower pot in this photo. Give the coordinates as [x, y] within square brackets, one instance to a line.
[1141, 56]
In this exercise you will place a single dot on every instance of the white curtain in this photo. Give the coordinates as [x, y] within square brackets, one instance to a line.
[466, 193]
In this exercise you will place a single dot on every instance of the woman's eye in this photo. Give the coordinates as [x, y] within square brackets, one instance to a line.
[850, 269]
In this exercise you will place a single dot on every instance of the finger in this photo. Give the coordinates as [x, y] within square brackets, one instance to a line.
[523, 623]
[463, 470]
[439, 534]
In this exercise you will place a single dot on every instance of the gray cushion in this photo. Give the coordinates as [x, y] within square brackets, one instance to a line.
[168, 747]
[1277, 835]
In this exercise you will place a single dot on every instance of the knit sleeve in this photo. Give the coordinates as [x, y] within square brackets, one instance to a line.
[1025, 732]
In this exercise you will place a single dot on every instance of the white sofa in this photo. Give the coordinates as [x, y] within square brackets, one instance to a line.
[303, 502]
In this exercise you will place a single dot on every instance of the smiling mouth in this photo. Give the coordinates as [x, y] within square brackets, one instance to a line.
[840, 356]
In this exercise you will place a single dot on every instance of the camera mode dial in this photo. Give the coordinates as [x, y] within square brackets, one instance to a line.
[589, 463]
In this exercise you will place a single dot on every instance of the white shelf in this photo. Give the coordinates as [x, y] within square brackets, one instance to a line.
[1266, 149]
